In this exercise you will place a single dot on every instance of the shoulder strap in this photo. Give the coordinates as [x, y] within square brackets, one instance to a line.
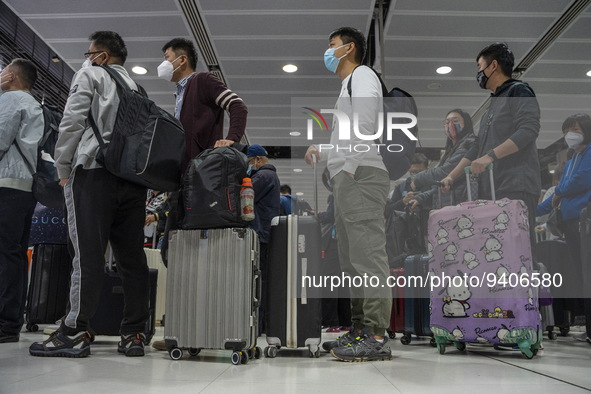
[384, 88]
[29, 166]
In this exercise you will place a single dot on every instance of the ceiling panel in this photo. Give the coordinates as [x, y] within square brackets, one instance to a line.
[506, 7]
[333, 6]
[90, 7]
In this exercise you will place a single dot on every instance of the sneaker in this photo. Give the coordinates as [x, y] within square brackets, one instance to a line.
[343, 340]
[61, 345]
[132, 345]
[7, 338]
[365, 349]
[581, 337]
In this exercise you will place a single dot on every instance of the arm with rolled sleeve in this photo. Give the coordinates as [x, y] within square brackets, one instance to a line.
[231, 103]
[73, 123]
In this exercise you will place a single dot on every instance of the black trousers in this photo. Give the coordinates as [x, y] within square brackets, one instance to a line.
[16, 211]
[103, 208]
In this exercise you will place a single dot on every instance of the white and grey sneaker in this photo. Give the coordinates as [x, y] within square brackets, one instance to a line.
[61, 345]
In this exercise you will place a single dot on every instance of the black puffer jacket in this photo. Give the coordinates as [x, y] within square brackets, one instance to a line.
[266, 200]
[513, 114]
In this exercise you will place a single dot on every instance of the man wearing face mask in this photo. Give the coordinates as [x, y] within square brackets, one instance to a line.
[201, 100]
[266, 206]
[21, 129]
[360, 187]
[404, 193]
[101, 208]
[507, 137]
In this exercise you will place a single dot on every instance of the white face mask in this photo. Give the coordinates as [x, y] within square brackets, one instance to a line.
[88, 62]
[573, 140]
[166, 69]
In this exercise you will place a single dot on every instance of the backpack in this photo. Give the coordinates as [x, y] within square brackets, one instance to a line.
[147, 145]
[395, 100]
[46, 188]
[210, 196]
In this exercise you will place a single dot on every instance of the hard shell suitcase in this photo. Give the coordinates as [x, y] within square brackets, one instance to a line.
[546, 307]
[213, 292]
[416, 301]
[585, 229]
[293, 316]
[154, 260]
[397, 313]
[483, 248]
[47, 297]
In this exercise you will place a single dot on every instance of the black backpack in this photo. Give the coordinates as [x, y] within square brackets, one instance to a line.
[210, 196]
[395, 100]
[147, 145]
[46, 188]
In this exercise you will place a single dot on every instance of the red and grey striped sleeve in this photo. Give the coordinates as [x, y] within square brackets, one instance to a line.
[231, 103]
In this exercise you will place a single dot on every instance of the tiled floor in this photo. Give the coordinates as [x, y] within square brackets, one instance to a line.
[564, 366]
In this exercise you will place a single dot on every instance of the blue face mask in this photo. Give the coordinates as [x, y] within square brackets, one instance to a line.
[330, 60]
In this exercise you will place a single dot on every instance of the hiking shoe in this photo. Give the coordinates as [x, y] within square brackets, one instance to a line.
[7, 338]
[132, 345]
[365, 349]
[343, 340]
[61, 345]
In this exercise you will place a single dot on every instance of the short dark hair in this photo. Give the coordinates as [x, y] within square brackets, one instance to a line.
[285, 189]
[26, 71]
[110, 42]
[584, 122]
[183, 45]
[500, 52]
[350, 34]
[419, 158]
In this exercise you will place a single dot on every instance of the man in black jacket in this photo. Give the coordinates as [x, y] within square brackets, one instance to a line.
[508, 133]
[266, 206]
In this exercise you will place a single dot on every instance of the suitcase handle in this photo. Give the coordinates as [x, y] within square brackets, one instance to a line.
[468, 171]
[258, 293]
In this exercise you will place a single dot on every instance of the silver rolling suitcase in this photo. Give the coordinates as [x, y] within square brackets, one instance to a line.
[213, 292]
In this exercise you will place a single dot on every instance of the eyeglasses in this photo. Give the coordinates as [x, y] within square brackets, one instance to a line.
[87, 54]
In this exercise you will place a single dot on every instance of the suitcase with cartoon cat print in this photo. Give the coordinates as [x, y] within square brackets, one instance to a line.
[482, 250]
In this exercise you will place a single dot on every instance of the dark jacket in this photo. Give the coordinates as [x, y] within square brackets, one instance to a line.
[427, 179]
[574, 187]
[513, 114]
[399, 193]
[266, 200]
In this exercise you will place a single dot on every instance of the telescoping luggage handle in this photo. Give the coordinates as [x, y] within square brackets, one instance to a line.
[314, 166]
[468, 171]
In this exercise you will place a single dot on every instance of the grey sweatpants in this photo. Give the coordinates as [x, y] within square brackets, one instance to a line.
[360, 224]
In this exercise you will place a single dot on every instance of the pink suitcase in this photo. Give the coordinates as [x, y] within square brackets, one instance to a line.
[483, 247]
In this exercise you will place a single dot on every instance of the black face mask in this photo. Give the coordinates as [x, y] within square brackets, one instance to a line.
[482, 78]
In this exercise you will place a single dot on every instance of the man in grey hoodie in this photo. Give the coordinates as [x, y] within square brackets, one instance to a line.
[21, 129]
[101, 208]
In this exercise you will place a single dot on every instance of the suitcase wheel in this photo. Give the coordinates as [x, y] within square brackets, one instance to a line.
[552, 335]
[461, 346]
[258, 352]
[314, 351]
[441, 348]
[391, 334]
[405, 340]
[271, 351]
[194, 351]
[175, 353]
[239, 358]
[564, 331]
[32, 327]
[432, 342]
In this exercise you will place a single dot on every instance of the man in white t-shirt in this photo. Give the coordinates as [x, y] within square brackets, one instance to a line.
[360, 187]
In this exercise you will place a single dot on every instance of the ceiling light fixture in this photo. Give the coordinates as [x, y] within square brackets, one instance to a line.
[55, 59]
[443, 70]
[297, 170]
[139, 70]
[589, 73]
[290, 68]
[299, 194]
[295, 133]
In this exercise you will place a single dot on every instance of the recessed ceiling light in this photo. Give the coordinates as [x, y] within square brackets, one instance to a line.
[295, 133]
[299, 194]
[443, 70]
[290, 68]
[589, 73]
[551, 171]
[297, 170]
[139, 70]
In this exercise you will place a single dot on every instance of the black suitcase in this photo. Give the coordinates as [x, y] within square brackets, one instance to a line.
[109, 314]
[552, 254]
[417, 314]
[47, 297]
[585, 223]
[294, 314]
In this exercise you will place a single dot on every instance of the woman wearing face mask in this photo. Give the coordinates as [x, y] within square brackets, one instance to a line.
[573, 192]
[460, 137]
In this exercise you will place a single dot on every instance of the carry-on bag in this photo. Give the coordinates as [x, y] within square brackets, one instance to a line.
[416, 301]
[481, 254]
[585, 229]
[213, 293]
[49, 288]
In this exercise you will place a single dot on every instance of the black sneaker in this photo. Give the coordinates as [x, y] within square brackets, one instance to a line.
[6, 338]
[365, 349]
[61, 345]
[132, 345]
[343, 340]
